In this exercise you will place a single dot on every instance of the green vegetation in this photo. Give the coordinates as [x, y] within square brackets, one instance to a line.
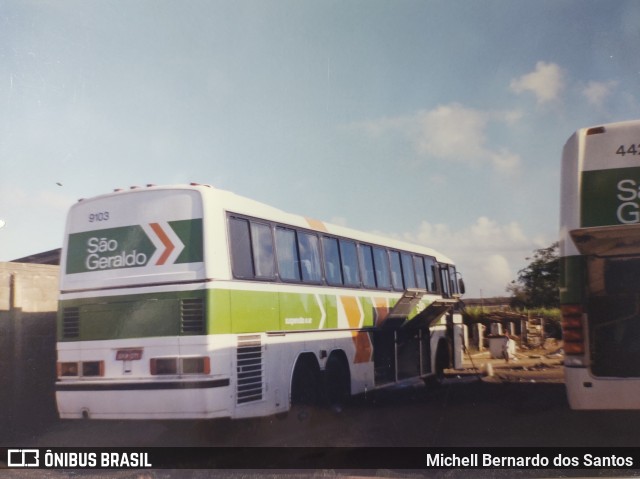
[537, 284]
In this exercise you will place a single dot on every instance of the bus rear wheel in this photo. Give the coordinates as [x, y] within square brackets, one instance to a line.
[305, 387]
[305, 384]
[337, 381]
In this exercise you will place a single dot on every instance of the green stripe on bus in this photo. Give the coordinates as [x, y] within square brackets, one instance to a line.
[222, 312]
[121, 317]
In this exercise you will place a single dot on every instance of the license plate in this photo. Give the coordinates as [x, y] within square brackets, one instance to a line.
[128, 354]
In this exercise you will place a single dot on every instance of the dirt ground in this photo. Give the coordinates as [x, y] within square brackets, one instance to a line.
[528, 366]
[489, 403]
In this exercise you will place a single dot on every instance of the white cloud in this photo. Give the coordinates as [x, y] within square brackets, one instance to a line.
[487, 253]
[482, 236]
[597, 92]
[495, 271]
[453, 133]
[504, 160]
[546, 82]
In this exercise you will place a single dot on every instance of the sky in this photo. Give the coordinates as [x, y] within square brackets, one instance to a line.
[440, 122]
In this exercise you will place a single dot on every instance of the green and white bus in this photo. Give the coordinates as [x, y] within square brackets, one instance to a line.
[600, 266]
[192, 302]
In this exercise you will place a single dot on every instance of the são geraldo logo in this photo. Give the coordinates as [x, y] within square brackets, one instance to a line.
[109, 252]
[152, 244]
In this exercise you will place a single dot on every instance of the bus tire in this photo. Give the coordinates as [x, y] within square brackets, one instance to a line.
[305, 383]
[337, 381]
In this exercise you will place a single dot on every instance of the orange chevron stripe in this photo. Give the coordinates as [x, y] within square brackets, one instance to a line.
[361, 340]
[381, 309]
[364, 349]
[352, 310]
[317, 225]
[168, 245]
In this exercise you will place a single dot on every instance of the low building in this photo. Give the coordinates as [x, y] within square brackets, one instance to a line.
[28, 305]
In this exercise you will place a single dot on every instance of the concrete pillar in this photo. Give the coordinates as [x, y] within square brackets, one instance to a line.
[465, 331]
[458, 341]
[478, 330]
[523, 331]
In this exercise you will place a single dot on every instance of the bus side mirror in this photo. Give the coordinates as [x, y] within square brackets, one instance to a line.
[461, 287]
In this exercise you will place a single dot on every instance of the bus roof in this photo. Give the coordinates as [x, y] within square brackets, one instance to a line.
[234, 203]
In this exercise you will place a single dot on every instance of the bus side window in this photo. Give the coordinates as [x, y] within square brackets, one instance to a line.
[396, 271]
[366, 260]
[421, 280]
[445, 281]
[287, 253]
[263, 254]
[381, 263]
[240, 242]
[350, 269]
[332, 268]
[309, 257]
[407, 271]
[452, 280]
[430, 269]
